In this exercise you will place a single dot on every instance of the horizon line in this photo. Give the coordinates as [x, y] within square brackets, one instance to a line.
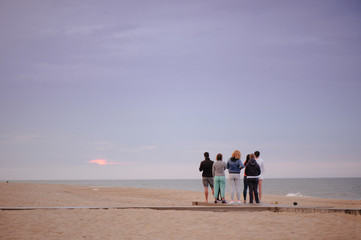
[145, 179]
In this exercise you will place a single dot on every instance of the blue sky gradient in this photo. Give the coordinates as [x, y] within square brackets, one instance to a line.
[151, 85]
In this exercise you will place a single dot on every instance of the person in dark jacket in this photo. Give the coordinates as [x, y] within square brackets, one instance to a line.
[253, 171]
[206, 168]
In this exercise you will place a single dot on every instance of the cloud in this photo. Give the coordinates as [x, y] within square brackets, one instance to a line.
[21, 137]
[105, 162]
[150, 147]
[83, 30]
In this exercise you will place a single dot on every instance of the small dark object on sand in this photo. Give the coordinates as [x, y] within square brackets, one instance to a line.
[295, 203]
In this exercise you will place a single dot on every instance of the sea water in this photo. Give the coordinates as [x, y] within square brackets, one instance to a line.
[337, 188]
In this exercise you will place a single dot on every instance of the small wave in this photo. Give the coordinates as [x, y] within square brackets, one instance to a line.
[294, 195]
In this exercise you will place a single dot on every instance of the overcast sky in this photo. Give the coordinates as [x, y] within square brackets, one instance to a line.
[141, 89]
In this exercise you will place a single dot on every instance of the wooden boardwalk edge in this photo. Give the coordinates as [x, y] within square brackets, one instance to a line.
[197, 206]
[278, 208]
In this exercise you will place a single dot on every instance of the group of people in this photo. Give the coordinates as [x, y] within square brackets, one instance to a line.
[213, 175]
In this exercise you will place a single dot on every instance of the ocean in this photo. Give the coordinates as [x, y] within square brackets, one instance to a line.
[336, 188]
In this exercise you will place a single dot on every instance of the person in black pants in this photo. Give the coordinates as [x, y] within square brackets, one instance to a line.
[253, 171]
[245, 185]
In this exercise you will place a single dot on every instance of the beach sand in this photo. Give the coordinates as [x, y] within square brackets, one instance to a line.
[159, 224]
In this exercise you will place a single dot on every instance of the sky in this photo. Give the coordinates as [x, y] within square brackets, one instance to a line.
[141, 89]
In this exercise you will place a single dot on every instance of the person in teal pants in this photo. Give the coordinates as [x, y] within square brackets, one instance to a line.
[219, 178]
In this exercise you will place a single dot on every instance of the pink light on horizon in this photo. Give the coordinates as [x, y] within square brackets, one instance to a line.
[105, 162]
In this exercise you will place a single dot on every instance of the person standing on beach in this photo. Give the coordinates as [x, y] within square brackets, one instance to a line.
[261, 165]
[245, 185]
[234, 166]
[252, 171]
[207, 177]
[219, 178]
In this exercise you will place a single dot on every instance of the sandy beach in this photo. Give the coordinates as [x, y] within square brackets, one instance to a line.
[156, 224]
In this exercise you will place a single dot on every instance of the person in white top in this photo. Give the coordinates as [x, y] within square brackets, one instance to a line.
[261, 164]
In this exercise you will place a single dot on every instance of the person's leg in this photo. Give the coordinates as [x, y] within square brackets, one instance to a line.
[255, 190]
[205, 185]
[250, 185]
[219, 197]
[260, 188]
[211, 183]
[232, 184]
[238, 186]
[223, 186]
[206, 193]
[245, 186]
[216, 187]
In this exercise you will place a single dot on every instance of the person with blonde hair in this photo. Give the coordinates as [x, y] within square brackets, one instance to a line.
[234, 166]
[219, 178]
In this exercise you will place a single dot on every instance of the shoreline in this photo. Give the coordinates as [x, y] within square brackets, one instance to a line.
[189, 185]
[31, 193]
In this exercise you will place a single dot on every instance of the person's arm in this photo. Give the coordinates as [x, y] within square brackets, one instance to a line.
[241, 165]
[201, 167]
[213, 170]
[258, 169]
[227, 165]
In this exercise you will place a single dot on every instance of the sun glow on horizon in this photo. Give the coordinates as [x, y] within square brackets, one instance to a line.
[105, 162]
